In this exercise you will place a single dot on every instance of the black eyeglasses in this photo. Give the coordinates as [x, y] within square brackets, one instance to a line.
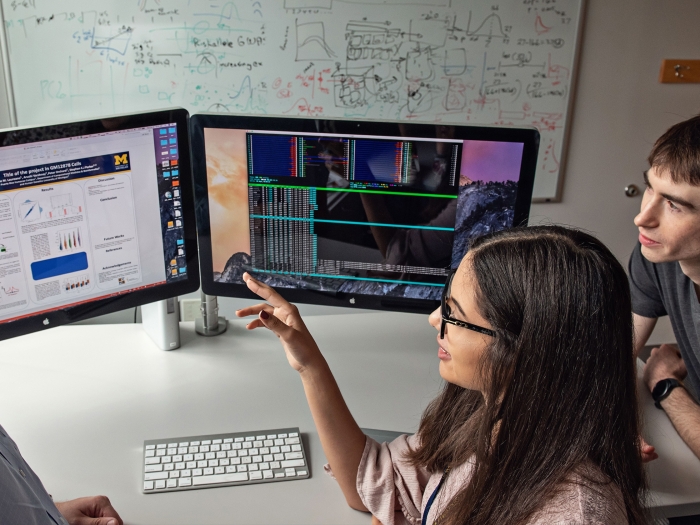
[445, 312]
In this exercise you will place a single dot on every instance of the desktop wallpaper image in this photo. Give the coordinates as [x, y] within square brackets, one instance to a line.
[488, 186]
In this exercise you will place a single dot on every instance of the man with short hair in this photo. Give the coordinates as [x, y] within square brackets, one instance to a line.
[664, 275]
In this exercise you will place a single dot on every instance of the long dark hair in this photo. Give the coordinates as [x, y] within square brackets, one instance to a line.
[562, 369]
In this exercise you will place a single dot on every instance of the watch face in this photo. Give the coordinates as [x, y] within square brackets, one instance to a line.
[660, 389]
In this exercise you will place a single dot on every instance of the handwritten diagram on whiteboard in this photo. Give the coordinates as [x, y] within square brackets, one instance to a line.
[507, 62]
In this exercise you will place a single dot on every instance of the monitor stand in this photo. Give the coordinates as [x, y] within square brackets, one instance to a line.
[161, 321]
[210, 324]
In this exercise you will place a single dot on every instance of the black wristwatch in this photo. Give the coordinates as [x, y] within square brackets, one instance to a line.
[663, 389]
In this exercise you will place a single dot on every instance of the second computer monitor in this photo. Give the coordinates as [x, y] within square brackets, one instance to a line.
[351, 213]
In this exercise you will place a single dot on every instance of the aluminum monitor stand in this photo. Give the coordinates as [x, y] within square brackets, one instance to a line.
[210, 324]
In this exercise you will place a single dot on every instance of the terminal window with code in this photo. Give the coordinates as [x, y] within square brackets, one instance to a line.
[358, 214]
[84, 218]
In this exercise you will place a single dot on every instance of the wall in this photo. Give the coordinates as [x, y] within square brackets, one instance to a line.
[620, 108]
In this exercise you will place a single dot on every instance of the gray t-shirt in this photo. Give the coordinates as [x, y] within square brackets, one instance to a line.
[663, 289]
[23, 498]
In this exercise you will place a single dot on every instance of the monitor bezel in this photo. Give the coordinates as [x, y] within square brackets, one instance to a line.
[128, 299]
[198, 122]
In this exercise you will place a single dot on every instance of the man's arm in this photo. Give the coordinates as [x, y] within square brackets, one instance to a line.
[665, 362]
[643, 326]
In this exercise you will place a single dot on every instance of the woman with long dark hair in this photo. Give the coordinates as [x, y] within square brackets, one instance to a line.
[537, 421]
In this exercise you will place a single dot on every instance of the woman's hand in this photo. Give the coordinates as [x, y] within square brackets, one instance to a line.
[283, 319]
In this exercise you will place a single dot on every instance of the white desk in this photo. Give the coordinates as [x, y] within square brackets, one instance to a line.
[80, 400]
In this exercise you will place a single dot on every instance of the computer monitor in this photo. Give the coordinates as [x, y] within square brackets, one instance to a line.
[351, 212]
[95, 216]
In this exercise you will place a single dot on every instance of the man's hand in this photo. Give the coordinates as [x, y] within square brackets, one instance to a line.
[95, 510]
[647, 451]
[665, 362]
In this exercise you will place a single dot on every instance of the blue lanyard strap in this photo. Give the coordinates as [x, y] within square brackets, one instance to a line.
[432, 496]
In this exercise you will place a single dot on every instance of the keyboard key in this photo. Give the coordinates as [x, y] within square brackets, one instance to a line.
[208, 471]
[188, 457]
[216, 442]
[248, 444]
[221, 478]
[169, 466]
[279, 474]
[275, 464]
[281, 435]
[150, 453]
[252, 466]
[275, 450]
[286, 448]
[150, 447]
[293, 455]
[279, 457]
[204, 448]
[182, 450]
[292, 441]
[279, 442]
[172, 483]
[177, 458]
[247, 460]
[267, 474]
[256, 475]
[259, 437]
[290, 472]
[197, 472]
[215, 448]
[257, 444]
[202, 464]
[153, 468]
[296, 448]
[161, 446]
[271, 436]
[242, 468]
[268, 457]
[257, 459]
[215, 462]
[152, 461]
[264, 466]
[293, 434]
[160, 452]
[199, 457]
[293, 463]
[194, 443]
[193, 450]
[268, 443]
[190, 464]
[160, 484]
[238, 440]
[179, 466]
[226, 446]
[228, 440]
[183, 444]
[175, 474]
[220, 455]
[237, 446]
[148, 485]
[253, 452]
[186, 473]
[249, 438]
[224, 462]
[166, 459]
[210, 455]
[206, 442]
[301, 472]
[152, 476]
[186, 482]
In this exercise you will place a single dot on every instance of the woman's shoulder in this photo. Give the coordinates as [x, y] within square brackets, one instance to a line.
[587, 497]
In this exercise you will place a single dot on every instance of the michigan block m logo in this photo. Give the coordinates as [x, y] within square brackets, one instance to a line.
[121, 159]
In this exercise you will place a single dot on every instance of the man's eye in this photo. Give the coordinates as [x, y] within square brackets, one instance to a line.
[673, 206]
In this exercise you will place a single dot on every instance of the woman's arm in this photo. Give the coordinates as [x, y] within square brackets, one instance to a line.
[341, 438]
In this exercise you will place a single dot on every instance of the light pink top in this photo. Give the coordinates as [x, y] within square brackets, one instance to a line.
[397, 493]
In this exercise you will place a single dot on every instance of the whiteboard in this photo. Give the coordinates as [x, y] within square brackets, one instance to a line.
[505, 63]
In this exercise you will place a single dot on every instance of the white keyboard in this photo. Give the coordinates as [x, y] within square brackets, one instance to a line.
[239, 458]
